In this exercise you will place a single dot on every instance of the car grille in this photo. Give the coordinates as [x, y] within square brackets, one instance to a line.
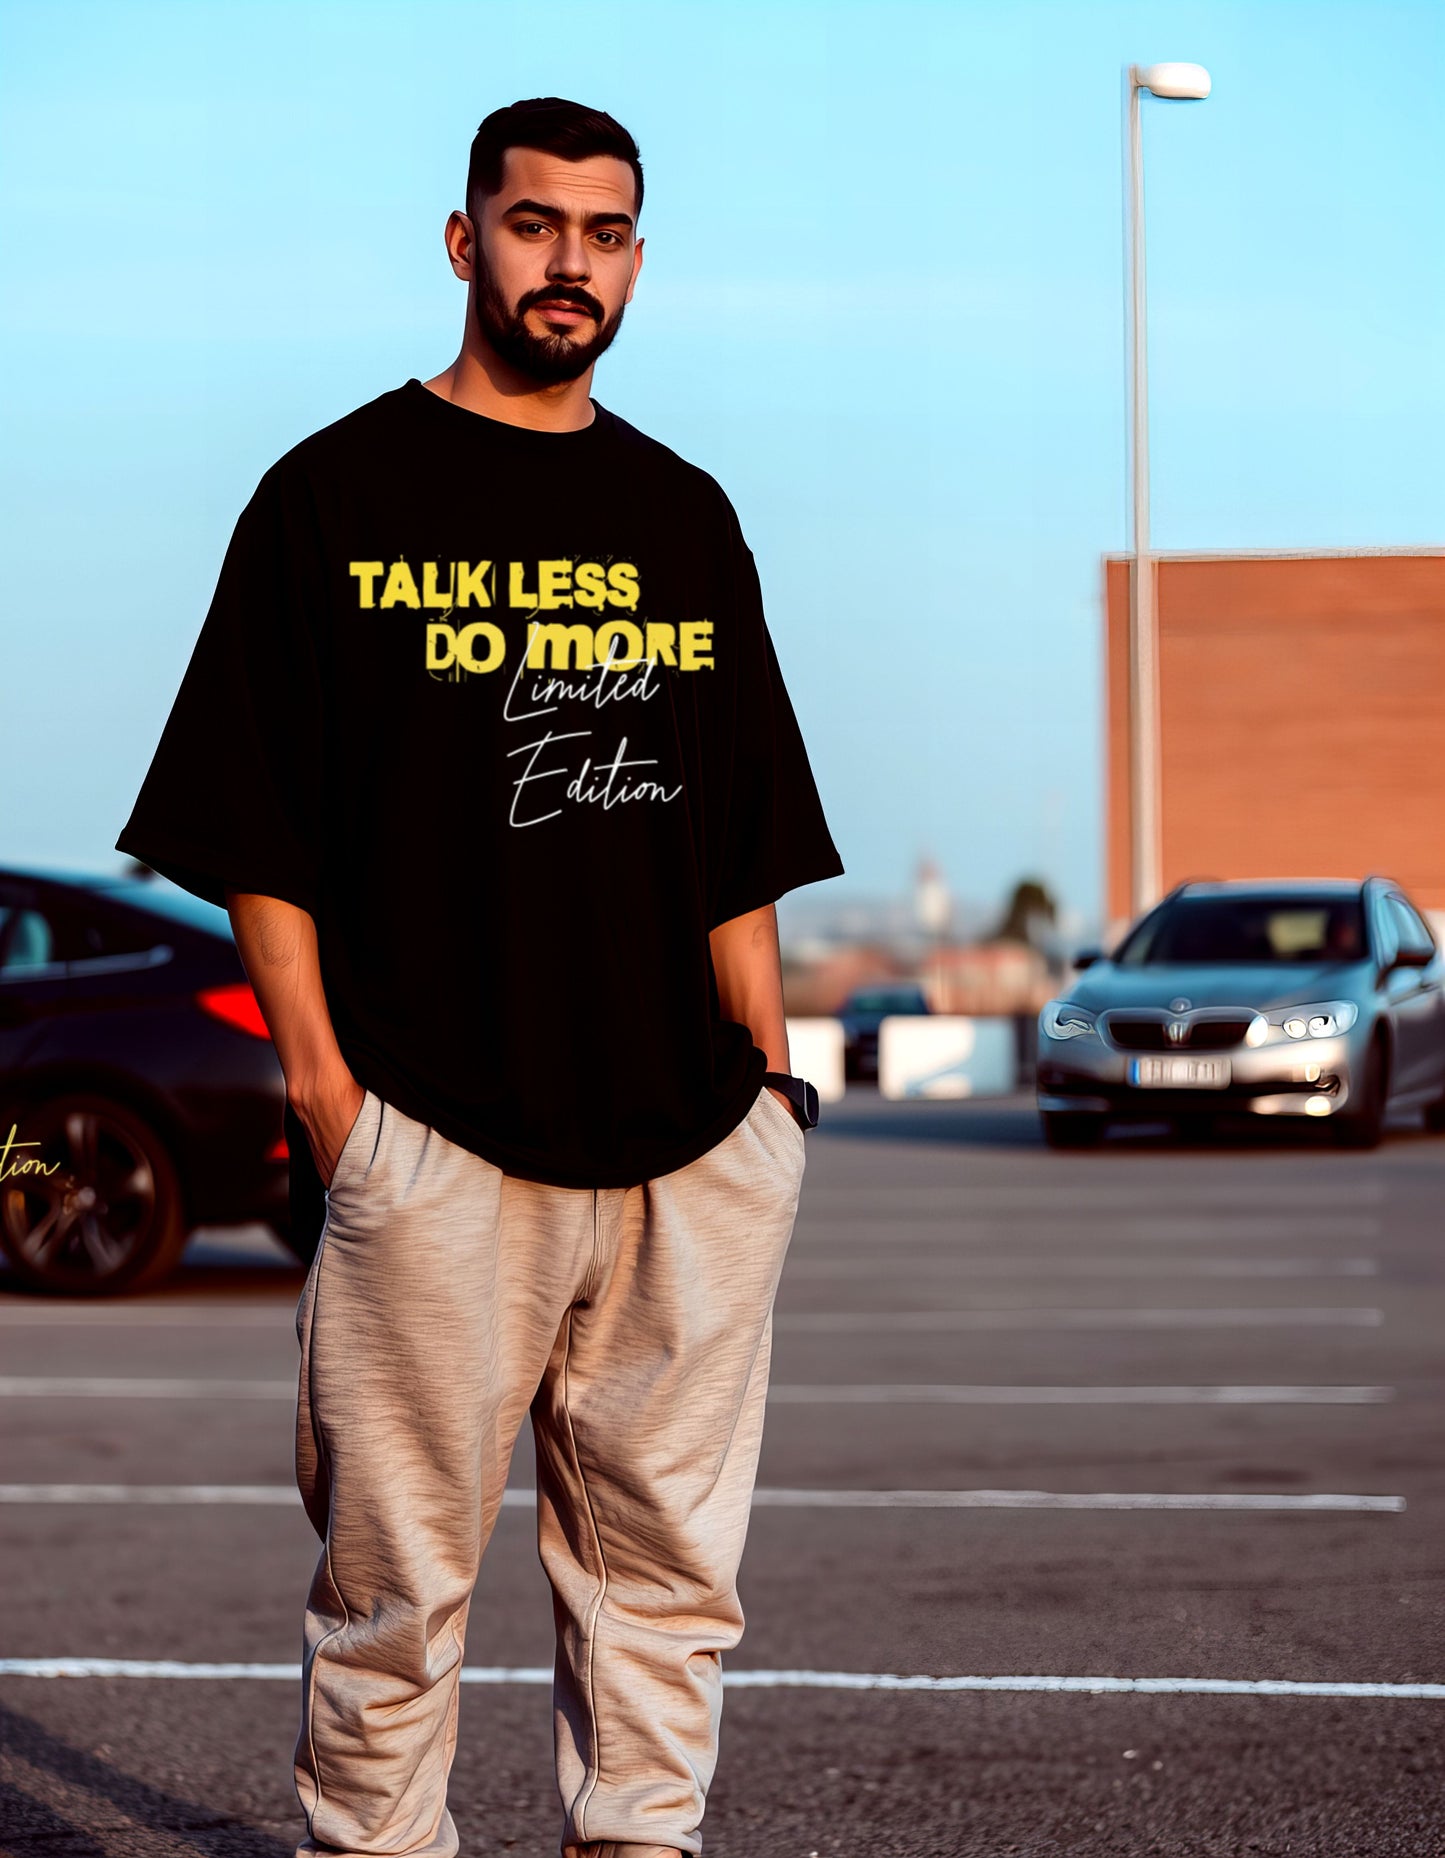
[1138, 1032]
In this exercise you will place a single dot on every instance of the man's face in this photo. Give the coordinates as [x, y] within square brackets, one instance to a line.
[555, 258]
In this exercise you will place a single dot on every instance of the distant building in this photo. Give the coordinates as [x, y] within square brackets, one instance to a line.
[817, 980]
[1302, 718]
[932, 905]
[989, 978]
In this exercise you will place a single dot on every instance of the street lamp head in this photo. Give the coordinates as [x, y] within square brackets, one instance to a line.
[1183, 83]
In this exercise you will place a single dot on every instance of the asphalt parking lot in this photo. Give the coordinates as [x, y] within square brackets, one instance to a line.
[1100, 1512]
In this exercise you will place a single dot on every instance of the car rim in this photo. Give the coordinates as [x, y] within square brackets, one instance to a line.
[88, 1218]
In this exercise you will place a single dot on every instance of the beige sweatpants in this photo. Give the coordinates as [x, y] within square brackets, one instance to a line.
[446, 1299]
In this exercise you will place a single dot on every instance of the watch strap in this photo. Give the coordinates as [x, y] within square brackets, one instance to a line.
[800, 1093]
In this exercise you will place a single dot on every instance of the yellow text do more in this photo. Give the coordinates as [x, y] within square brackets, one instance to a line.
[615, 645]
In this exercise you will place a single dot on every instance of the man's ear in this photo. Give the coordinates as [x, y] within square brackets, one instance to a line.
[636, 267]
[459, 239]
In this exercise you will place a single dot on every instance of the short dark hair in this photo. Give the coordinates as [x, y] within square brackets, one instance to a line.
[557, 127]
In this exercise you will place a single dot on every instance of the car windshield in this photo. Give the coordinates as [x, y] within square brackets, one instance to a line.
[906, 1001]
[1259, 930]
[163, 899]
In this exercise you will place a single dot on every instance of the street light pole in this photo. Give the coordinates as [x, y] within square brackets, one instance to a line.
[1174, 81]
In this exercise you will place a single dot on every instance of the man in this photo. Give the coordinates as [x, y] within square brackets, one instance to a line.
[485, 746]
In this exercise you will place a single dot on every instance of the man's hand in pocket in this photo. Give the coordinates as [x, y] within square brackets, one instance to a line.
[328, 1109]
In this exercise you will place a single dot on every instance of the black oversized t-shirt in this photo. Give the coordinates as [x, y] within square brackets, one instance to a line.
[501, 710]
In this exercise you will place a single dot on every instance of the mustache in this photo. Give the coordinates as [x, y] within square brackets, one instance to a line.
[574, 299]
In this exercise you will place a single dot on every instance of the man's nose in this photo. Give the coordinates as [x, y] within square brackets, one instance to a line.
[569, 259]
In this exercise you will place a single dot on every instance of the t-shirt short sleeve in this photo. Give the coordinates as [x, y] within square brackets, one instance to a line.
[775, 836]
[232, 796]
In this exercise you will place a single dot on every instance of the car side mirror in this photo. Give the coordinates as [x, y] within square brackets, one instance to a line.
[1413, 958]
[1086, 957]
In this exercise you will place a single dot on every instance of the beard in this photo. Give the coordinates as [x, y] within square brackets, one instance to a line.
[546, 359]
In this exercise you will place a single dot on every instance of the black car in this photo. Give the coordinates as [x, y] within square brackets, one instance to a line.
[864, 1011]
[140, 1093]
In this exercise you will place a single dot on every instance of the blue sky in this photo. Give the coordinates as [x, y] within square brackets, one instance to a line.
[882, 303]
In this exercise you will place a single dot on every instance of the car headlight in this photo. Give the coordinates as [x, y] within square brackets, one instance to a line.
[1322, 1020]
[1061, 1019]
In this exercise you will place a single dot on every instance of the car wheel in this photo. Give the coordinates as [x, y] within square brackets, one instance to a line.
[1435, 1116]
[1196, 1126]
[108, 1218]
[1073, 1128]
[1362, 1128]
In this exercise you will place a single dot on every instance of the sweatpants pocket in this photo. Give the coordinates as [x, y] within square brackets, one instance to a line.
[355, 1144]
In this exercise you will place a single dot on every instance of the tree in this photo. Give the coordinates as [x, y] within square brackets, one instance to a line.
[1030, 908]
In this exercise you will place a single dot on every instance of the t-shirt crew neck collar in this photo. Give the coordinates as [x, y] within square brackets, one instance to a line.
[464, 422]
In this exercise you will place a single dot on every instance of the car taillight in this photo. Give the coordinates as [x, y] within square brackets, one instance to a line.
[237, 1005]
[280, 1150]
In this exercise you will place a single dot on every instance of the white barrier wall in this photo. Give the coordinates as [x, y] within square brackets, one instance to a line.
[815, 1051]
[946, 1055]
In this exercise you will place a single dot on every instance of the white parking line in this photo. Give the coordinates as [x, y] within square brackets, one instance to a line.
[247, 1495]
[117, 1387]
[123, 1315]
[1086, 1197]
[1068, 1500]
[171, 1668]
[156, 1387]
[849, 1226]
[30, 1313]
[949, 1394]
[918, 1322]
[517, 1497]
[963, 1269]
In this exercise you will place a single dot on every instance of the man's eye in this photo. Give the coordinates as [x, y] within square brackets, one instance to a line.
[616, 240]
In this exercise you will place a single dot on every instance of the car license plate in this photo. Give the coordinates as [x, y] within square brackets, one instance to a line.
[1178, 1072]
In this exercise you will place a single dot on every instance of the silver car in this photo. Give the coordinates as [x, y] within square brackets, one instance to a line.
[1320, 999]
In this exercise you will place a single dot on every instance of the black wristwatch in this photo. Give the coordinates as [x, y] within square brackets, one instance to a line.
[800, 1093]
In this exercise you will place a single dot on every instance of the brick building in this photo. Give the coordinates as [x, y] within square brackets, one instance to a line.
[1302, 718]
